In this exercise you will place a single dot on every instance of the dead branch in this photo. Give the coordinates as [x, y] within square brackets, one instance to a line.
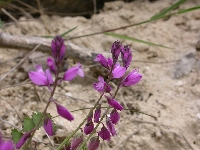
[80, 54]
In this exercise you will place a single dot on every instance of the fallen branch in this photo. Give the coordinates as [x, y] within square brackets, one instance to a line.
[75, 52]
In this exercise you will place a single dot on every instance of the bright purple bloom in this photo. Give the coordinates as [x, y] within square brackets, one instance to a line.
[110, 126]
[118, 71]
[97, 113]
[23, 139]
[114, 116]
[77, 140]
[113, 103]
[48, 126]
[115, 50]
[88, 127]
[100, 86]
[6, 145]
[63, 112]
[58, 48]
[132, 78]
[94, 143]
[41, 78]
[72, 72]
[102, 60]
[126, 56]
[51, 64]
[104, 134]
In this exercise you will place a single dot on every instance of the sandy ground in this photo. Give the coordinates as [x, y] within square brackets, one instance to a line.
[166, 91]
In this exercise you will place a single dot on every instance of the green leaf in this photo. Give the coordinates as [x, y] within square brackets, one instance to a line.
[16, 135]
[188, 10]
[164, 12]
[1, 24]
[68, 31]
[36, 118]
[28, 124]
[135, 40]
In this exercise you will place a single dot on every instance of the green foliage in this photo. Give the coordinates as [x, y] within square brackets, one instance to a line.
[1, 24]
[16, 135]
[135, 40]
[36, 118]
[28, 124]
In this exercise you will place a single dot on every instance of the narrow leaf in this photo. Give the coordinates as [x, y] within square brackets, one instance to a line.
[188, 10]
[135, 40]
[162, 13]
[28, 124]
[68, 31]
[16, 135]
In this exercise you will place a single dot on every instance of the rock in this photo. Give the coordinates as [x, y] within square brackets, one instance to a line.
[185, 65]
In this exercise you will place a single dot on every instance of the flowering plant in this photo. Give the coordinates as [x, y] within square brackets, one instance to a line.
[51, 78]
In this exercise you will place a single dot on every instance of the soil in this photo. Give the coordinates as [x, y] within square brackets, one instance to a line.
[169, 90]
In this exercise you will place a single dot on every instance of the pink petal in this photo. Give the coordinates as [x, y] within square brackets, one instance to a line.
[118, 72]
[37, 78]
[63, 112]
[49, 76]
[71, 73]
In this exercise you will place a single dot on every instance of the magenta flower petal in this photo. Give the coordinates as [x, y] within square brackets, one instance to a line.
[104, 134]
[110, 126]
[48, 126]
[51, 64]
[118, 72]
[49, 77]
[100, 86]
[132, 78]
[23, 139]
[77, 140]
[88, 127]
[72, 72]
[6, 145]
[102, 60]
[113, 103]
[94, 143]
[114, 116]
[110, 62]
[63, 112]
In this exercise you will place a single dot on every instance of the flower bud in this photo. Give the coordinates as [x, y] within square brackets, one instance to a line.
[88, 127]
[77, 140]
[114, 116]
[94, 143]
[126, 56]
[113, 103]
[110, 126]
[115, 50]
[51, 64]
[23, 139]
[63, 112]
[48, 126]
[104, 134]
[97, 113]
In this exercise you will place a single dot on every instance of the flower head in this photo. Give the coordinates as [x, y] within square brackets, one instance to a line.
[126, 56]
[58, 48]
[77, 140]
[94, 143]
[72, 72]
[115, 50]
[110, 126]
[51, 64]
[48, 126]
[132, 78]
[104, 134]
[114, 116]
[113, 103]
[63, 112]
[88, 127]
[40, 77]
[100, 86]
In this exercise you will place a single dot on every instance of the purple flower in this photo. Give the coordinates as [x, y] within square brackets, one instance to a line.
[110, 126]
[115, 50]
[51, 64]
[58, 48]
[41, 78]
[114, 116]
[100, 86]
[104, 134]
[6, 145]
[63, 112]
[132, 78]
[113, 103]
[94, 143]
[48, 126]
[72, 72]
[118, 71]
[77, 140]
[102, 60]
[126, 56]
[88, 127]
[23, 139]
[97, 113]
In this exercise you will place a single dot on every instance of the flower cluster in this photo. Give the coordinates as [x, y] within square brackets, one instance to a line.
[45, 78]
[115, 71]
